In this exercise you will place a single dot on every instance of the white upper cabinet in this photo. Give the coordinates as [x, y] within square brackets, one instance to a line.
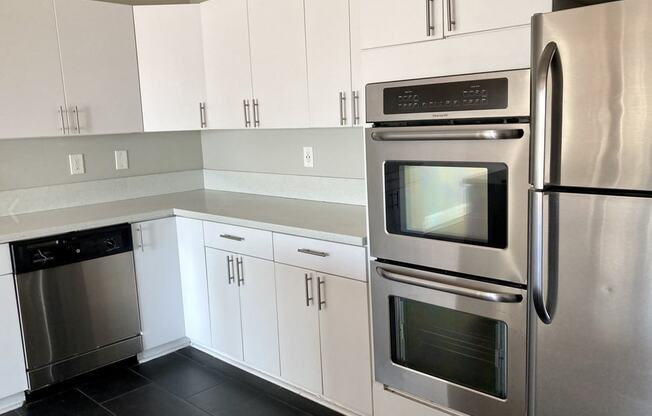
[31, 85]
[391, 22]
[171, 66]
[465, 16]
[329, 62]
[227, 61]
[278, 61]
[98, 57]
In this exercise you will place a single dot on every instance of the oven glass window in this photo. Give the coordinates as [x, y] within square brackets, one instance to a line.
[460, 202]
[455, 346]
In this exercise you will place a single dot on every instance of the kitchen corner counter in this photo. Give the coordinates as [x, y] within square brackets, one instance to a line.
[320, 220]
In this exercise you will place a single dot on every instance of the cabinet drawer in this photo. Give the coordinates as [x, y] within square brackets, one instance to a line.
[323, 256]
[5, 260]
[249, 241]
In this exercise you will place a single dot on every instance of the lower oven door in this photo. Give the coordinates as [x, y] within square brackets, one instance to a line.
[455, 342]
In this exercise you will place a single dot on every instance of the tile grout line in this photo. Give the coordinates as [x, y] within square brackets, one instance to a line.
[95, 401]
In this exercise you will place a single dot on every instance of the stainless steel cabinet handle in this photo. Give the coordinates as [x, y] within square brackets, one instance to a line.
[308, 281]
[342, 109]
[240, 269]
[539, 119]
[442, 283]
[229, 269]
[256, 113]
[78, 126]
[232, 237]
[356, 108]
[430, 26]
[438, 134]
[451, 15]
[202, 115]
[63, 113]
[247, 113]
[321, 295]
[141, 242]
[312, 252]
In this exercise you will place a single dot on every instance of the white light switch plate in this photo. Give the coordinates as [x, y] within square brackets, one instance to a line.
[308, 157]
[77, 164]
[121, 160]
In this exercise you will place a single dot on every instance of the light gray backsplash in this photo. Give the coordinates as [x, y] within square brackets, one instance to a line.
[338, 152]
[26, 163]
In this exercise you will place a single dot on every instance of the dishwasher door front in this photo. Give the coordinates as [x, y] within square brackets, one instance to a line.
[77, 308]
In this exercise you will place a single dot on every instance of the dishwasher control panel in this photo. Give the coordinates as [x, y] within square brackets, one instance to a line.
[53, 251]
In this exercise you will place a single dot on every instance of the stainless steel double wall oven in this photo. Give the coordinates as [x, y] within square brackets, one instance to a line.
[447, 172]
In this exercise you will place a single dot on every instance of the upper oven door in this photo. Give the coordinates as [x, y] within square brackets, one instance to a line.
[458, 343]
[451, 198]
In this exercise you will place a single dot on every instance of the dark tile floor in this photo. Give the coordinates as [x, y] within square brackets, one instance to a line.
[187, 382]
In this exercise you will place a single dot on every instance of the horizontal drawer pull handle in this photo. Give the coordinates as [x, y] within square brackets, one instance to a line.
[448, 135]
[312, 252]
[231, 237]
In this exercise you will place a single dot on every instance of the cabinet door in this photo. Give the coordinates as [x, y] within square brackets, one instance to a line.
[171, 66]
[159, 284]
[345, 343]
[12, 363]
[30, 79]
[228, 66]
[477, 15]
[224, 302]
[258, 311]
[391, 22]
[194, 283]
[98, 57]
[298, 327]
[328, 47]
[278, 62]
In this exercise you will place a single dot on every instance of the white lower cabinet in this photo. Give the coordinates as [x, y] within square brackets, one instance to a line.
[298, 324]
[345, 343]
[243, 309]
[159, 284]
[12, 363]
[224, 301]
[258, 313]
[324, 335]
[194, 283]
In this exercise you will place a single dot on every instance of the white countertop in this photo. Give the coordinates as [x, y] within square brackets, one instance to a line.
[325, 221]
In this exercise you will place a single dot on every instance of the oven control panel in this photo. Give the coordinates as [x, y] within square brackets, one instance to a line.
[483, 94]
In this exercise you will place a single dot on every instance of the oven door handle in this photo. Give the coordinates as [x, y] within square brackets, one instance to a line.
[441, 283]
[439, 134]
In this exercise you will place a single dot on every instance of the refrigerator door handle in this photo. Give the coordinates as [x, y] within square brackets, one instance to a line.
[544, 303]
[540, 116]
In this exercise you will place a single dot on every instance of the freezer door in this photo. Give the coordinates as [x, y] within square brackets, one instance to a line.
[592, 96]
[594, 358]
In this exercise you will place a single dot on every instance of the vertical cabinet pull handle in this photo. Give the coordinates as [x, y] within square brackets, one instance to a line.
[240, 269]
[247, 113]
[78, 126]
[321, 293]
[356, 108]
[141, 242]
[63, 113]
[229, 269]
[342, 108]
[451, 15]
[202, 115]
[430, 26]
[308, 281]
[256, 113]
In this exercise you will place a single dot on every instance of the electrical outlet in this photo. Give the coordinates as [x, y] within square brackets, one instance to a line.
[121, 160]
[308, 157]
[77, 164]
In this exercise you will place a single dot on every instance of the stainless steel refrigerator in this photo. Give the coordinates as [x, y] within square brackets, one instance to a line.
[590, 243]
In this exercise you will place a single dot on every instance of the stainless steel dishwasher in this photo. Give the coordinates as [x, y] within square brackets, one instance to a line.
[78, 302]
